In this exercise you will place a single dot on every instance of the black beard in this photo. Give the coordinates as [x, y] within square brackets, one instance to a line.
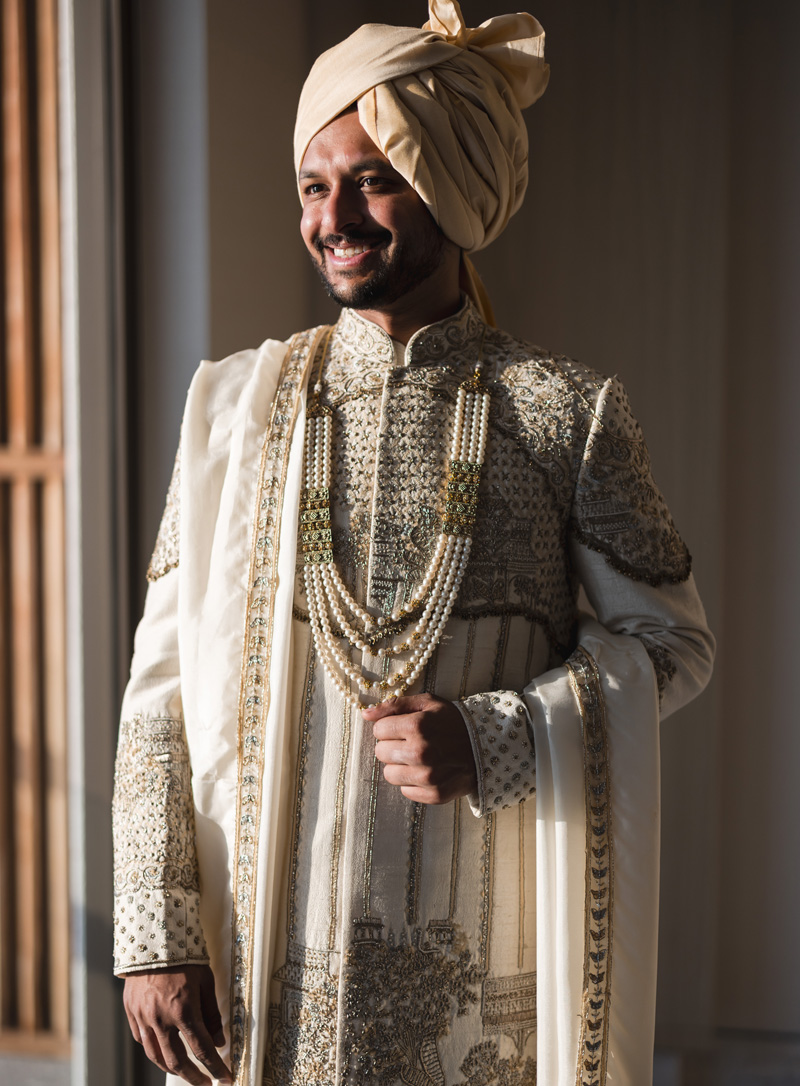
[391, 279]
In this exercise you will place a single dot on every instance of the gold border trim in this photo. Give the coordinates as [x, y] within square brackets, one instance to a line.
[254, 693]
[599, 905]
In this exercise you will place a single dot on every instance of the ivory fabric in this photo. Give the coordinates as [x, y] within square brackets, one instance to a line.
[318, 887]
[444, 105]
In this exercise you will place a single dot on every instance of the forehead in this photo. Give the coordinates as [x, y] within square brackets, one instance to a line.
[340, 147]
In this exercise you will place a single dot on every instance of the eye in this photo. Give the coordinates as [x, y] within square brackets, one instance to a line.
[314, 189]
[372, 181]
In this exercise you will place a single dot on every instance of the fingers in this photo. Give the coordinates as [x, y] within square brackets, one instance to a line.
[165, 1046]
[417, 776]
[397, 727]
[431, 797]
[425, 748]
[403, 752]
[199, 1041]
[410, 703]
[165, 1049]
[133, 1023]
[210, 1012]
[172, 1009]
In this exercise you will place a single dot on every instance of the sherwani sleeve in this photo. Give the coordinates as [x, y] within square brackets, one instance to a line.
[634, 568]
[156, 885]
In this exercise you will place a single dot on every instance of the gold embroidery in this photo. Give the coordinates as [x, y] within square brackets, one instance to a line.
[337, 826]
[156, 883]
[373, 806]
[663, 663]
[618, 509]
[521, 935]
[509, 1007]
[599, 907]
[414, 861]
[167, 548]
[302, 1045]
[500, 657]
[454, 861]
[394, 422]
[255, 693]
[485, 1065]
[299, 788]
[503, 747]
[488, 888]
[531, 644]
[400, 999]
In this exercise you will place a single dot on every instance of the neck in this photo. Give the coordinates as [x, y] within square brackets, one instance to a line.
[401, 326]
[434, 299]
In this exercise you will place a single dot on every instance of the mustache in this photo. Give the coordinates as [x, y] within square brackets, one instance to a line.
[344, 241]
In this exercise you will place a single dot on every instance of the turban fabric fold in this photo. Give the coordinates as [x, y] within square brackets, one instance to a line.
[443, 103]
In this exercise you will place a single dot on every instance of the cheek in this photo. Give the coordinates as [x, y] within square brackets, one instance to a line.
[309, 227]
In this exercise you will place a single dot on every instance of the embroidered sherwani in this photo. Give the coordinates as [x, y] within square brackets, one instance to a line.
[357, 937]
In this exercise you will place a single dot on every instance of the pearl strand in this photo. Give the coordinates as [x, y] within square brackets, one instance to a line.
[438, 590]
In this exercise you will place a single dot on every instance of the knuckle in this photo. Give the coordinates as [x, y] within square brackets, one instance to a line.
[412, 752]
[428, 775]
[390, 774]
[201, 1049]
[427, 727]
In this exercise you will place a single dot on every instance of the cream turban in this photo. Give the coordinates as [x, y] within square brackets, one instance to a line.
[443, 104]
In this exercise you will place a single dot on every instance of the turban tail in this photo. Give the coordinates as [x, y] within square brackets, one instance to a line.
[444, 105]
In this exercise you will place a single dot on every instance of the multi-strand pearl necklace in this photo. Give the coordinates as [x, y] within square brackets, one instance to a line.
[412, 631]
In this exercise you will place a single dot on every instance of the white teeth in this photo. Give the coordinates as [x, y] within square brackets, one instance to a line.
[353, 251]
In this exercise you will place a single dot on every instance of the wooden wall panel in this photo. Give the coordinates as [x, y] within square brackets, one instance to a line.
[34, 893]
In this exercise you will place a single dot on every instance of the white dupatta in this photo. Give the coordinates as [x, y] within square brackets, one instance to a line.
[235, 639]
[597, 862]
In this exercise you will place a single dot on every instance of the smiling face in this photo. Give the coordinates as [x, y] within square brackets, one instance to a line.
[372, 240]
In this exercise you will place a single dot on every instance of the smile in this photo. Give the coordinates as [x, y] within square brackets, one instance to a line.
[350, 257]
[353, 250]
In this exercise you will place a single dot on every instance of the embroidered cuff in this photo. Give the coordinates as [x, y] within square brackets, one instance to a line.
[157, 927]
[500, 731]
[156, 879]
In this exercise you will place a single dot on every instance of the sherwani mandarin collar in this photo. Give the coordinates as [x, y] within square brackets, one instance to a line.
[445, 340]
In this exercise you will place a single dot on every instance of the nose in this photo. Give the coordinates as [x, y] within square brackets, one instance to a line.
[343, 208]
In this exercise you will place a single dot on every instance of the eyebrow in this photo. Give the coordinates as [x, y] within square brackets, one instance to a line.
[358, 167]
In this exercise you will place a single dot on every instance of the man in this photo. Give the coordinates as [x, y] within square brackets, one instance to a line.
[418, 840]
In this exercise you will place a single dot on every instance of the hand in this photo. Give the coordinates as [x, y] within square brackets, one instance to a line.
[165, 1005]
[425, 747]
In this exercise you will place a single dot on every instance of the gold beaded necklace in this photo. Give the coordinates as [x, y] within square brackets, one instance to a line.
[388, 635]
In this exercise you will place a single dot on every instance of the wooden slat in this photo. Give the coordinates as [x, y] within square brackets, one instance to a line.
[26, 716]
[31, 463]
[55, 740]
[53, 545]
[16, 1042]
[34, 899]
[49, 223]
[8, 971]
[17, 228]
[19, 354]
[18, 361]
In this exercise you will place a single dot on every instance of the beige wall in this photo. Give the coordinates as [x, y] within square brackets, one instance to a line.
[658, 241]
[759, 755]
